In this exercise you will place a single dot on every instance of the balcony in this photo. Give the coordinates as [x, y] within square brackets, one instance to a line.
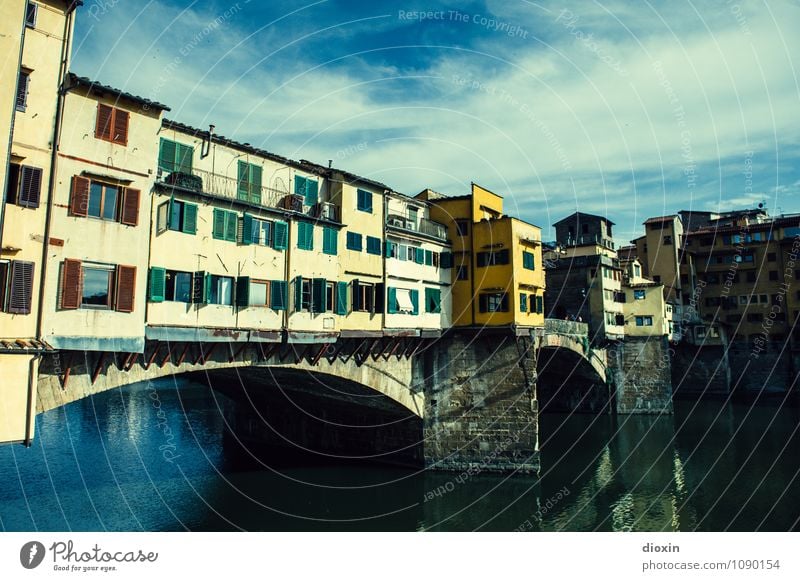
[420, 225]
[226, 188]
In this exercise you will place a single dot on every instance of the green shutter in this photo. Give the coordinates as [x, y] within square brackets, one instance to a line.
[166, 155]
[437, 301]
[298, 293]
[278, 295]
[218, 230]
[158, 280]
[419, 256]
[388, 251]
[300, 186]
[391, 307]
[415, 301]
[446, 260]
[312, 189]
[243, 181]
[189, 225]
[318, 295]
[341, 298]
[433, 300]
[305, 236]
[231, 222]
[539, 304]
[247, 229]
[242, 291]
[356, 295]
[255, 183]
[183, 158]
[429, 258]
[280, 238]
[329, 241]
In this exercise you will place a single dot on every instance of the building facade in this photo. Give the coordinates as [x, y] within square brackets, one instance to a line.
[36, 38]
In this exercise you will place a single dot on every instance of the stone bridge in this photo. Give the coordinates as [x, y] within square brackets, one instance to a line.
[468, 399]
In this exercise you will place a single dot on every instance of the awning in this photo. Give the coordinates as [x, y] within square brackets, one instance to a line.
[404, 300]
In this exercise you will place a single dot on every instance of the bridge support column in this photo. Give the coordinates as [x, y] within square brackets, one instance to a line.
[640, 373]
[481, 411]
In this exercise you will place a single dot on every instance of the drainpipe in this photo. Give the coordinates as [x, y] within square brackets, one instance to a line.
[62, 91]
[11, 128]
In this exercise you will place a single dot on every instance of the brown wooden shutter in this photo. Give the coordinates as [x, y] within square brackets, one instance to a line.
[21, 288]
[79, 205]
[71, 284]
[130, 207]
[121, 119]
[126, 288]
[30, 187]
[103, 127]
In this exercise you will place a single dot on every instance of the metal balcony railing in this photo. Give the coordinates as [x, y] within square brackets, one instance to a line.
[421, 225]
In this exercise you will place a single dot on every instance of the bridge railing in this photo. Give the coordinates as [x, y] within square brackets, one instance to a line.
[562, 327]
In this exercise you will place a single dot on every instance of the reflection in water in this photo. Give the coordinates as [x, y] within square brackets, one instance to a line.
[154, 457]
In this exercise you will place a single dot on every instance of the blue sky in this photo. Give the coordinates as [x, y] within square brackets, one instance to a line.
[625, 109]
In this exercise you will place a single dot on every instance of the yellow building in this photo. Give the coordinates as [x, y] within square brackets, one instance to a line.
[498, 279]
[35, 37]
[99, 232]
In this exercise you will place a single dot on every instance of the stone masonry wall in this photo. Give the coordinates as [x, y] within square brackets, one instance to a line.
[641, 373]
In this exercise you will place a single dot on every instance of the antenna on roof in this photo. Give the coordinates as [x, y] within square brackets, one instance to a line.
[330, 163]
[205, 146]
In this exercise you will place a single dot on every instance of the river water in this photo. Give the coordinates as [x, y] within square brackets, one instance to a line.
[152, 457]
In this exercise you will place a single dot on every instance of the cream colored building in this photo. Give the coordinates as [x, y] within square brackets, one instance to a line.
[418, 269]
[96, 279]
[35, 38]
[647, 313]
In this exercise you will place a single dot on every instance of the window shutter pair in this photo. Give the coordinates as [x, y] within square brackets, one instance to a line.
[330, 241]
[281, 238]
[112, 124]
[318, 295]
[20, 289]
[79, 204]
[72, 286]
[341, 298]
[433, 300]
[305, 235]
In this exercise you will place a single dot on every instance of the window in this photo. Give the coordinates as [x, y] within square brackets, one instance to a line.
[493, 258]
[104, 201]
[111, 124]
[751, 276]
[256, 231]
[23, 86]
[523, 303]
[178, 216]
[536, 303]
[305, 235]
[98, 286]
[330, 296]
[225, 225]
[644, 321]
[493, 303]
[330, 241]
[433, 300]
[637, 270]
[24, 187]
[30, 14]
[169, 285]
[364, 200]
[462, 227]
[528, 260]
[373, 245]
[252, 292]
[406, 301]
[220, 290]
[411, 253]
[16, 286]
[308, 188]
[755, 317]
[667, 240]
[175, 157]
[771, 257]
[639, 295]
[462, 272]
[363, 296]
[656, 278]
[773, 275]
[248, 183]
[392, 249]
[354, 241]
